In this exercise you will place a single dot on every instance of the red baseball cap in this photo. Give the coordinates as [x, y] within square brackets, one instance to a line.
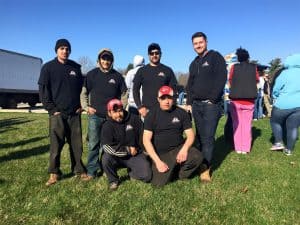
[165, 90]
[114, 104]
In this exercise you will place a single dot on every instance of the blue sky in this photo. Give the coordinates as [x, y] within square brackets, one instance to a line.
[267, 28]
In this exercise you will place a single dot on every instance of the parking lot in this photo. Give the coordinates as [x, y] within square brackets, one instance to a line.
[26, 109]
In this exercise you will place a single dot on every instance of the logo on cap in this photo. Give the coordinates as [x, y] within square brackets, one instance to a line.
[114, 104]
[165, 90]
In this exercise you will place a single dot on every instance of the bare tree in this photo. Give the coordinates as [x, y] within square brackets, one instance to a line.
[86, 64]
[182, 79]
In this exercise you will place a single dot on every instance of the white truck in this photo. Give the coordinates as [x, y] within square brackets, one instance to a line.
[19, 75]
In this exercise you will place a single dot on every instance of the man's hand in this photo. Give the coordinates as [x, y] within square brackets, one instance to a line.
[162, 167]
[143, 111]
[91, 111]
[188, 108]
[56, 113]
[132, 151]
[79, 111]
[181, 156]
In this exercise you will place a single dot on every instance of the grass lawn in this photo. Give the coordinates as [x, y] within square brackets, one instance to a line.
[260, 188]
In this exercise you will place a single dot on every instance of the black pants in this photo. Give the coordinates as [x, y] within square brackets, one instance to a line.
[63, 127]
[181, 171]
[138, 166]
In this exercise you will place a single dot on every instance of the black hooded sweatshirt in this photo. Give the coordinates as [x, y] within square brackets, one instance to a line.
[116, 137]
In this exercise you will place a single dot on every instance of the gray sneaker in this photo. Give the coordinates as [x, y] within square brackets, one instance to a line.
[287, 152]
[113, 186]
[277, 147]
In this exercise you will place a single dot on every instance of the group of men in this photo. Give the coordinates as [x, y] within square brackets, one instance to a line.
[153, 150]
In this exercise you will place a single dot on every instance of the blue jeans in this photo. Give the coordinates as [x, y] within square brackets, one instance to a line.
[285, 119]
[258, 108]
[206, 118]
[94, 151]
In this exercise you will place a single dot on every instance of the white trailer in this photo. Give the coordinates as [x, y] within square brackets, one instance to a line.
[19, 76]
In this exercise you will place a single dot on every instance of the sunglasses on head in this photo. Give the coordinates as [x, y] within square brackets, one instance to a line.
[154, 53]
[164, 97]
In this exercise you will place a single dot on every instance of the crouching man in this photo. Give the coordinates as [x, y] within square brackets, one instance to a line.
[120, 137]
[165, 144]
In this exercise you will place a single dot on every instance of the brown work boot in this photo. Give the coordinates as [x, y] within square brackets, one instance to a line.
[205, 176]
[53, 179]
[85, 177]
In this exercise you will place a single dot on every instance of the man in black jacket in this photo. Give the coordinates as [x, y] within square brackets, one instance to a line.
[204, 94]
[151, 77]
[121, 140]
[102, 84]
[60, 85]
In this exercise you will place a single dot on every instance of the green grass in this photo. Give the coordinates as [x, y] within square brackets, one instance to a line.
[260, 188]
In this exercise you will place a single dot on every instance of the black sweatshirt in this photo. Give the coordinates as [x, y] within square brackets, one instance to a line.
[60, 86]
[116, 137]
[152, 78]
[207, 78]
[102, 87]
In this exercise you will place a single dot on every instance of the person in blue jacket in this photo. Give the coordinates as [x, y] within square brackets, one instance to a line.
[286, 107]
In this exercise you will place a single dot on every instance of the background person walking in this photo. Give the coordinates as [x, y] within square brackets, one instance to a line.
[286, 108]
[243, 78]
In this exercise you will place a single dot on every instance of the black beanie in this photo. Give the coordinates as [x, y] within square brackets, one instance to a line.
[62, 42]
[153, 46]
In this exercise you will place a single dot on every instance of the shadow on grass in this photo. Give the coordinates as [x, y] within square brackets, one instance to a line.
[2, 181]
[24, 153]
[222, 149]
[7, 124]
[23, 142]
[255, 134]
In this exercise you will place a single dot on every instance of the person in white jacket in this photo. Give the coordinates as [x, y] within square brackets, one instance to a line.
[138, 62]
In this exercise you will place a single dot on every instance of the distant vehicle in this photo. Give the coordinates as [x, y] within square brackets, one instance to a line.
[19, 75]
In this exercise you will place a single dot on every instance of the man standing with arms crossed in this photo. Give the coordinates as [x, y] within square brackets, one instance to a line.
[204, 94]
[151, 77]
[102, 84]
[60, 85]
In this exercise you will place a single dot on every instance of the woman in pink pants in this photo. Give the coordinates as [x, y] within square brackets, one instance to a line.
[243, 78]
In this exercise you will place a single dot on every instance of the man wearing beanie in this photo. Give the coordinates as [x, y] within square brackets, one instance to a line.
[151, 77]
[60, 84]
[102, 84]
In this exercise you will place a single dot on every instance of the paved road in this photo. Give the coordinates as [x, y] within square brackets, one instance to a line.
[25, 108]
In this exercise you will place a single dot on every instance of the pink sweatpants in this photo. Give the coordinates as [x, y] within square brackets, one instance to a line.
[242, 125]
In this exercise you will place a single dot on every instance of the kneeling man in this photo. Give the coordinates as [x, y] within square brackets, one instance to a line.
[120, 137]
[163, 140]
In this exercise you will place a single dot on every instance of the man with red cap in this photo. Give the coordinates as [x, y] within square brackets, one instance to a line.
[163, 140]
[121, 140]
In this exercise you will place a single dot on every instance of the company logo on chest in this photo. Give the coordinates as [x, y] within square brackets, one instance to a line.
[72, 73]
[205, 64]
[161, 74]
[129, 127]
[112, 81]
[175, 120]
